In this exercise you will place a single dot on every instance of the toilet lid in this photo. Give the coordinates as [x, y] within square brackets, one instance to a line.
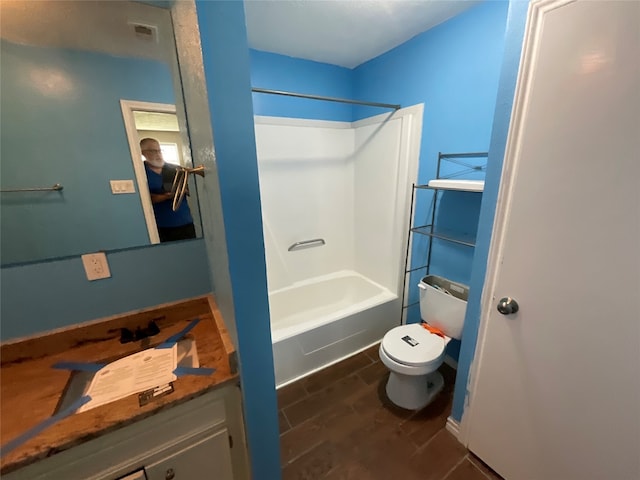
[413, 345]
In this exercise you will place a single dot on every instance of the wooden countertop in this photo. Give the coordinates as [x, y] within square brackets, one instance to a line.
[30, 389]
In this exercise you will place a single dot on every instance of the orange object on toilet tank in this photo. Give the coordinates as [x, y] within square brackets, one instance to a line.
[434, 330]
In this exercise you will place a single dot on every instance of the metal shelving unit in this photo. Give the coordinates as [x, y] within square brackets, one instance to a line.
[442, 182]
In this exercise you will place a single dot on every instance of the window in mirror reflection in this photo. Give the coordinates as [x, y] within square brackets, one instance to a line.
[169, 153]
[164, 128]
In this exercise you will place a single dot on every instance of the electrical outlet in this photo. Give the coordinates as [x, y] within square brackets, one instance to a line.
[96, 266]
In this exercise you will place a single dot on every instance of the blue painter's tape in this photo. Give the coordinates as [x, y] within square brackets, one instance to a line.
[180, 371]
[84, 367]
[173, 339]
[29, 434]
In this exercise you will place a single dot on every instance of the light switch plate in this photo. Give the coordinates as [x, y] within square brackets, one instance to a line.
[96, 266]
[122, 186]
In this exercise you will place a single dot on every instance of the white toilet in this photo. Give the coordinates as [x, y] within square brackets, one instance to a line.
[413, 353]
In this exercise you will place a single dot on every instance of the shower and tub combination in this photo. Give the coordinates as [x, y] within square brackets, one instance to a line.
[335, 206]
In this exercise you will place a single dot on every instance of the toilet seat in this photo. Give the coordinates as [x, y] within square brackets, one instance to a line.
[413, 345]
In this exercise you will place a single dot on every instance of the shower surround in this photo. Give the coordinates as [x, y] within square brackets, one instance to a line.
[348, 184]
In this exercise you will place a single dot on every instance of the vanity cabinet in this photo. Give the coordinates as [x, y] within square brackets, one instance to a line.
[194, 430]
[200, 438]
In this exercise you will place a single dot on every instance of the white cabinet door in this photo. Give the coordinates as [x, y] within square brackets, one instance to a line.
[556, 390]
[209, 458]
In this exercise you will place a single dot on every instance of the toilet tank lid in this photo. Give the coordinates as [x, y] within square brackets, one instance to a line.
[413, 345]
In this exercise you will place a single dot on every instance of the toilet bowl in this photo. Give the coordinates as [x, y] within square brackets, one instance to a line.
[413, 353]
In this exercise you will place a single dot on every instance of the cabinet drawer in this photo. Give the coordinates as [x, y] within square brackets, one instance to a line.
[138, 475]
[209, 457]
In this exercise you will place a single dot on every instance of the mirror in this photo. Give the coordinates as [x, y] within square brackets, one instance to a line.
[73, 75]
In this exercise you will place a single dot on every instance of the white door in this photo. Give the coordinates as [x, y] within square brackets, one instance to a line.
[555, 388]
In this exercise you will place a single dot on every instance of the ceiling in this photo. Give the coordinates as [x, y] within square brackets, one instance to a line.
[342, 32]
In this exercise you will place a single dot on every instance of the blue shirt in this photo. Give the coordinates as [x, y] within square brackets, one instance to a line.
[165, 216]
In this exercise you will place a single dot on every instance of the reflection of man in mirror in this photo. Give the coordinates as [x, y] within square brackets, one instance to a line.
[172, 225]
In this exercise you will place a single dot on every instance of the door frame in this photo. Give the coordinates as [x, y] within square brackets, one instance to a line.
[128, 107]
[521, 100]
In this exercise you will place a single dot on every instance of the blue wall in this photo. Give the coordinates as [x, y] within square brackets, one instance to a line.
[227, 73]
[53, 294]
[513, 45]
[453, 69]
[62, 123]
[278, 72]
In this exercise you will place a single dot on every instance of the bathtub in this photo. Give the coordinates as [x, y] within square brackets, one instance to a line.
[325, 319]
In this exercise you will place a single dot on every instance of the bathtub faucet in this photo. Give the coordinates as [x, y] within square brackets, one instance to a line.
[316, 242]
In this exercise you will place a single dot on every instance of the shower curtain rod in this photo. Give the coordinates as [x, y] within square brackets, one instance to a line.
[328, 99]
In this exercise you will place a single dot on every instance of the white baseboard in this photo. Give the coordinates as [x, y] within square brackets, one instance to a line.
[451, 362]
[453, 427]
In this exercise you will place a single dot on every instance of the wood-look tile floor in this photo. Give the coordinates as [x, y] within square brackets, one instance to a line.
[339, 424]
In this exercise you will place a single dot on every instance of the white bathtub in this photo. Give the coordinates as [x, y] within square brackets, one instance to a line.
[322, 320]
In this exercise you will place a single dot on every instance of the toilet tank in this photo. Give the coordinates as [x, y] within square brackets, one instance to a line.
[443, 304]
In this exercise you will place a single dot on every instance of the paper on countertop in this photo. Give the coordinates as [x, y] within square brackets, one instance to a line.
[134, 373]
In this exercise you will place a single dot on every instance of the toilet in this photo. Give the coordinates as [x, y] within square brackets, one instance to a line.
[413, 353]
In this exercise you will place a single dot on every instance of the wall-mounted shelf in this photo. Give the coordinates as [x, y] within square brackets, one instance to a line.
[453, 184]
[430, 231]
[470, 163]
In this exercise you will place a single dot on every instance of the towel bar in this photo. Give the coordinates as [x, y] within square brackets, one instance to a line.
[56, 188]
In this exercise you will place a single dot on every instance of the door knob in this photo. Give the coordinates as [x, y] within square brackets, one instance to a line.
[507, 306]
